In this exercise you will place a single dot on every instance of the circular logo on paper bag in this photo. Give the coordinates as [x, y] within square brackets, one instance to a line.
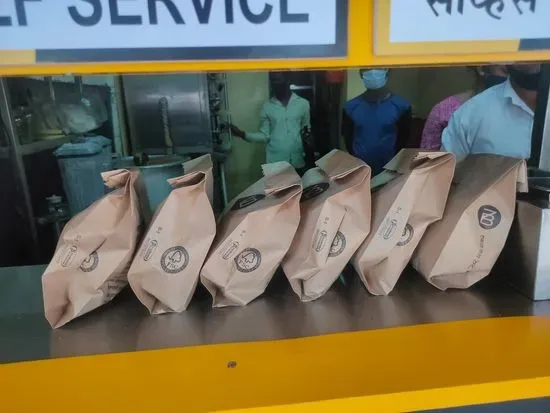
[248, 260]
[338, 245]
[314, 191]
[247, 201]
[408, 233]
[489, 217]
[90, 263]
[174, 260]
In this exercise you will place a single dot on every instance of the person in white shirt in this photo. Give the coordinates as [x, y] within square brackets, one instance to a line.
[498, 120]
[284, 120]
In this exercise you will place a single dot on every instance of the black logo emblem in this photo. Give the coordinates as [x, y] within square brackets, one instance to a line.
[174, 260]
[230, 250]
[248, 260]
[314, 191]
[66, 254]
[338, 245]
[389, 228]
[489, 217]
[320, 240]
[408, 233]
[247, 201]
[150, 250]
[90, 263]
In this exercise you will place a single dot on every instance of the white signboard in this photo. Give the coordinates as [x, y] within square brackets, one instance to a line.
[467, 20]
[171, 24]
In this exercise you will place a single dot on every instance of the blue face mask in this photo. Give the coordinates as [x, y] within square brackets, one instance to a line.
[375, 79]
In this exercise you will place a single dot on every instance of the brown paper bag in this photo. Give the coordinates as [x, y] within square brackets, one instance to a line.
[255, 233]
[335, 220]
[463, 247]
[165, 272]
[407, 197]
[94, 252]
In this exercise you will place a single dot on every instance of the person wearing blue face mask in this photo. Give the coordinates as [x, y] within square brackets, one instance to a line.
[376, 124]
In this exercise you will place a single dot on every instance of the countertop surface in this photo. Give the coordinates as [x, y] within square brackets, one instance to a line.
[124, 325]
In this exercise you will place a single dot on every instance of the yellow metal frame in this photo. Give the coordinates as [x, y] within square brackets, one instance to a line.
[361, 53]
[390, 370]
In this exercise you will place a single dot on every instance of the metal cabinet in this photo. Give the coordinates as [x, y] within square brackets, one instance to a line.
[168, 111]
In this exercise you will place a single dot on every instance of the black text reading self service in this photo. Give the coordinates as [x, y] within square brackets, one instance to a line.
[91, 12]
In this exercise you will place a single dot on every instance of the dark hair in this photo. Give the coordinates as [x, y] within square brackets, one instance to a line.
[364, 69]
[279, 77]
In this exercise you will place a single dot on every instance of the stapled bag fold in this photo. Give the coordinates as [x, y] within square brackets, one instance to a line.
[253, 236]
[94, 252]
[336, 209]
[165, 272]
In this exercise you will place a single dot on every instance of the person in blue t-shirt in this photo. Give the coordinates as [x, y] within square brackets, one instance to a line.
[376, 124]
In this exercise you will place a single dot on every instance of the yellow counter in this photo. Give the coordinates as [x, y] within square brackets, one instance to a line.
[388, 370]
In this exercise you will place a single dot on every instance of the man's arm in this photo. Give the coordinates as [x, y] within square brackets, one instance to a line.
[264, 134]
[433, 129]
[403, 130]
[306, 117]
[305, 127]
[455, 137]
[347, 131]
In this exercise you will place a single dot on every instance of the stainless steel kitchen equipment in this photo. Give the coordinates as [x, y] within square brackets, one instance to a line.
[23, 118]
[23, 155]
[185, 109]
[125, 325]
[58, 214]
[525, 260]
[81, 163]
[15, 151]
[106, 150]
[220, 116]
[155, 170]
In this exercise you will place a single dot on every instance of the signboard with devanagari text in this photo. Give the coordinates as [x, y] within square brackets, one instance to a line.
[405, 27]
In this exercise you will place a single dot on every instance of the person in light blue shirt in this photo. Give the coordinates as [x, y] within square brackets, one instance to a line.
[499, 120]
[284, 120]
[376, 124]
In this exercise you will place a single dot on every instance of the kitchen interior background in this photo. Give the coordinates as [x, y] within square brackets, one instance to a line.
[245, 93]
[423, 87]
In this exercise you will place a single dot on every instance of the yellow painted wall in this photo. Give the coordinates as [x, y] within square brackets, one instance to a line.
[247, 92]
[438, 83]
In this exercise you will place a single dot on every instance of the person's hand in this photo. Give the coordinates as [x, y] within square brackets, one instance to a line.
[307, 136]
[235, 131]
